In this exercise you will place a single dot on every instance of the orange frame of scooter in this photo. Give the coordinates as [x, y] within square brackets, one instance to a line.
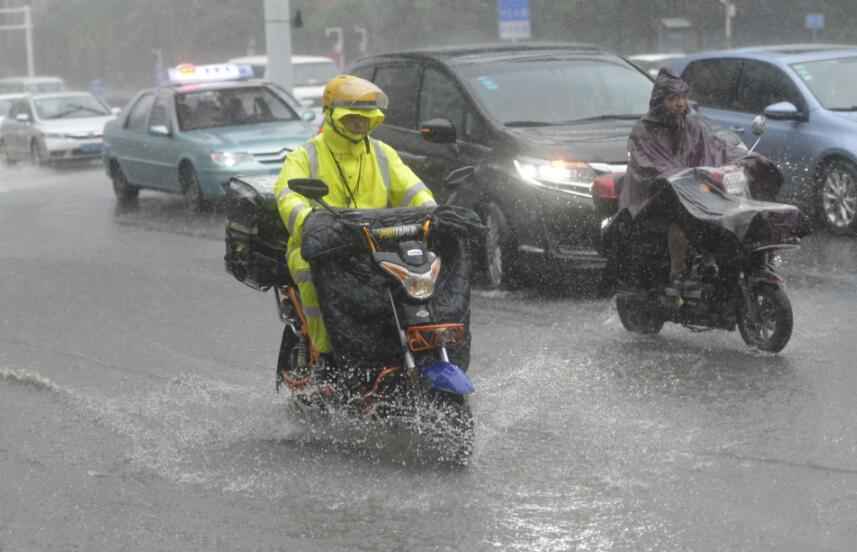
[432, 336]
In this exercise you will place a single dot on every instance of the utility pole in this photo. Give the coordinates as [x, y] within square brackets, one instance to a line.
[729, 8]
[278, 43]
[27, 27]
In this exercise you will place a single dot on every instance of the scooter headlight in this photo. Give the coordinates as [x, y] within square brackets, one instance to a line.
[417, 285]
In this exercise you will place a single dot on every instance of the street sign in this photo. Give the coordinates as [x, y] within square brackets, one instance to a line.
[814, 21]
[514, 19]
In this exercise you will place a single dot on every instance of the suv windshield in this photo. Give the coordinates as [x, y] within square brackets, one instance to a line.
[70, 107]
[314, 74]
[833, 82]
[551, 92]
[229, 107]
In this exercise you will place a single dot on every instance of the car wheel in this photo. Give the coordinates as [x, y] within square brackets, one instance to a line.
[191, 189]
[5, 161]
[37, 158]
[498, 250]
[837, 196]
[125, 192]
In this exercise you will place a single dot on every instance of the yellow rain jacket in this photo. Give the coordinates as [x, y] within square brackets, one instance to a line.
[374, 179]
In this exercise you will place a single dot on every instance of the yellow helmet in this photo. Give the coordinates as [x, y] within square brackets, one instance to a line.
[353, 92]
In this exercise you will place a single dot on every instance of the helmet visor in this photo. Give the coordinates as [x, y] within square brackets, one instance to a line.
[359, 94]
[375, 116]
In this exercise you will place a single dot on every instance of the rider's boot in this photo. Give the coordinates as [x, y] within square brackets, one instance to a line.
[682, 282]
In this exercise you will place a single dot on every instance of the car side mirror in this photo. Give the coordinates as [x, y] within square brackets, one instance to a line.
[310, 188]
[308, 116]
[782, 111]
[22, 118]
[758, 125]
[438, 131]
[116, 110]
[159, 130]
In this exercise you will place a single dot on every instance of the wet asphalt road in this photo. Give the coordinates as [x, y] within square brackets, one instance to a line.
[137, 409]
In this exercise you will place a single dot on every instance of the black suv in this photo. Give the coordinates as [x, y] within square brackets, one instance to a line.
[538, 121]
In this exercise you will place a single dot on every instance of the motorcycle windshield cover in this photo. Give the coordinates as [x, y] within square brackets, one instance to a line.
[721, 222]
[352, 290]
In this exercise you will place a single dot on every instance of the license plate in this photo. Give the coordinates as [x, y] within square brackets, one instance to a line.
[735, 183]
[91, 148]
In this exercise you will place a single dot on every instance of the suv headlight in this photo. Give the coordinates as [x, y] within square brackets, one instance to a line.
[571, 177]
[230, 158]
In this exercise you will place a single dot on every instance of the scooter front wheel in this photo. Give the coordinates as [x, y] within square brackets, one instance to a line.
[446, 420]
[771, 327]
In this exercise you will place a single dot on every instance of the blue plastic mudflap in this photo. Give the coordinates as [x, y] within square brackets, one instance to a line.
[446, 376]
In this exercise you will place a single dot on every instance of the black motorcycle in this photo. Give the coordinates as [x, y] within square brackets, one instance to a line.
[394, 290]
[734, 252]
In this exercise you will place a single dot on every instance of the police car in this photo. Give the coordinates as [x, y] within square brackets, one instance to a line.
[210, 123]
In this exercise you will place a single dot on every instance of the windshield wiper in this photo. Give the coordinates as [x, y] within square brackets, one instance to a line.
[76, 108]
[609, 117]
[528, 123]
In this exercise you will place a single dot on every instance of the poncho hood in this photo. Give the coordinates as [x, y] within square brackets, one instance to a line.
[667, 84]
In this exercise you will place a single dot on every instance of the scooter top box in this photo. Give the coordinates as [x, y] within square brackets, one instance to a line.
[256, 238]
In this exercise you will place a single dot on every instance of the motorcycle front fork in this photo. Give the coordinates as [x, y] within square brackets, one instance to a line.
[410, 363]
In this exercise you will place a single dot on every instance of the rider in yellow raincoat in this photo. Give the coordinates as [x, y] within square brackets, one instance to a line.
[361, 172]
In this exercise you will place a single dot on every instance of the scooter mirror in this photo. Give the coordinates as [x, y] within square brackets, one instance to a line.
[458, 177]
[759, 125]
[310, 188]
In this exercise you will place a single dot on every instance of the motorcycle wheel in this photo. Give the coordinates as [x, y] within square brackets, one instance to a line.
[446, 422]
[773, 328]
[636, 317]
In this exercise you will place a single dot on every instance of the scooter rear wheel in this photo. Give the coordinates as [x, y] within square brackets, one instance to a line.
[637, 316]
[771, 329]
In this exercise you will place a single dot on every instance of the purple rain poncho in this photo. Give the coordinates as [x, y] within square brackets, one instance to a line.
[662, 144]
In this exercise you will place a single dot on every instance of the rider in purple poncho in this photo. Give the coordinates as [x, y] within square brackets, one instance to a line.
[664, 142]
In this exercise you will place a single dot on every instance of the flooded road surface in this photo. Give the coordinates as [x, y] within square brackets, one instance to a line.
[138, 409]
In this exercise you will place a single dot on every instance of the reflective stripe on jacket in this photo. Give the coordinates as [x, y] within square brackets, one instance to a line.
[375, 179]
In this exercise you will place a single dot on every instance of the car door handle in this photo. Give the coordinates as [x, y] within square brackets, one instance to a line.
[737, 129]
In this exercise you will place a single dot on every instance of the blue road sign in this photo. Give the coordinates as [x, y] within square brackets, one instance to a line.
[514, 19]
[814, 21]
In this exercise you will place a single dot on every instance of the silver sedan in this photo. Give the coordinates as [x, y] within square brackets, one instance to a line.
[46, 128]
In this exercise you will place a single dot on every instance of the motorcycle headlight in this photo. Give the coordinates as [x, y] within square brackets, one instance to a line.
[230, 158]
[417, 285]
[571, 177]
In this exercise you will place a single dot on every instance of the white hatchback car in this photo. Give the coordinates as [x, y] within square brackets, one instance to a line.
[46, 128]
